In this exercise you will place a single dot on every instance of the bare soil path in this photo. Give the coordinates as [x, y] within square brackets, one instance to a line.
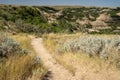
[57, 71]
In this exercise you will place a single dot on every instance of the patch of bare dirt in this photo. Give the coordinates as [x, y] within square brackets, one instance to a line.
[57, 72]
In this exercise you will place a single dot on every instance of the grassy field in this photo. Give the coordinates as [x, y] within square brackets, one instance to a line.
[81, 64]
[23, 66]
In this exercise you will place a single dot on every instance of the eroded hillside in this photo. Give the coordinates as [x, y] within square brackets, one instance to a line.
[43, 19]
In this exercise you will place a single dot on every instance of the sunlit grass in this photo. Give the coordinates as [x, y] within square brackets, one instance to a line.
[22, 67]
[80, 64]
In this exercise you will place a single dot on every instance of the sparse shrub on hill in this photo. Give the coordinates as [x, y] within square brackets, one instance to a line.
[47, 9]
[36, 18]
[79, 13]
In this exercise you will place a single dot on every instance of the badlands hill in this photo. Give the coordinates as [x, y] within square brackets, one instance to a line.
[57, 19]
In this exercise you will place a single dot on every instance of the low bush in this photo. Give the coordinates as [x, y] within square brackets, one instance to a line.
[9, 47]
[104, 47]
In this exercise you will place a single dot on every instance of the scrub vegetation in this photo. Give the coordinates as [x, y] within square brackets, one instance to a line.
[47, 19]
[18, 60]
[91, 57]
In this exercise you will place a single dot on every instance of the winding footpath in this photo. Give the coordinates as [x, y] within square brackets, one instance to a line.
[57, 71]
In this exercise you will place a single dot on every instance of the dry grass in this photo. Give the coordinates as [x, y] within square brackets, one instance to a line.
[81, 65]
[24, 40]
[86, 68]
[16, 68]
[22, 67]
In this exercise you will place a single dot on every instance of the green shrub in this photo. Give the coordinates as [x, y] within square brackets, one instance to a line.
[47, 9]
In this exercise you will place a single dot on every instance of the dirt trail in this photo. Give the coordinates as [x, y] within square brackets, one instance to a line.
[58, 72]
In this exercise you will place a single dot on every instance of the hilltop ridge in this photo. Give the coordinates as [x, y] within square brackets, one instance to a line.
[47, 19]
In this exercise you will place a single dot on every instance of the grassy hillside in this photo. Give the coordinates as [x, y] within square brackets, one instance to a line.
[43, 19]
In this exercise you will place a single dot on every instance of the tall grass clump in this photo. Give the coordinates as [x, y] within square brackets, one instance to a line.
[17, 62]
[103, 47]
